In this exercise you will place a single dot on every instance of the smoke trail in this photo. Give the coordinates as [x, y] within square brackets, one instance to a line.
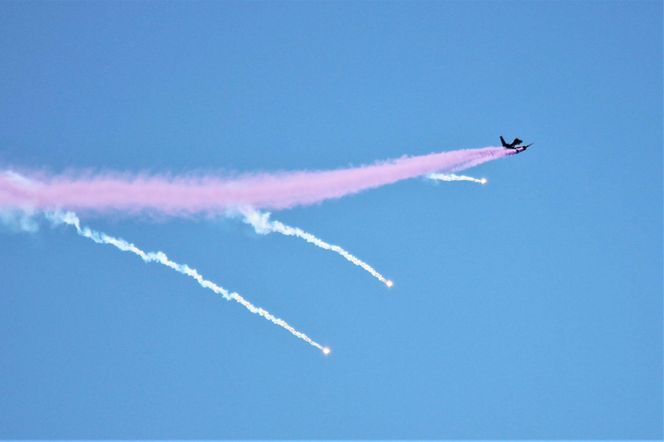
[18, 220]
[161, 258]
[262, 225]
[209, 194]
[453, 177]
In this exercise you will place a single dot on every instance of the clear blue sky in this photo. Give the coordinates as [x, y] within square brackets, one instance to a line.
[527, 308]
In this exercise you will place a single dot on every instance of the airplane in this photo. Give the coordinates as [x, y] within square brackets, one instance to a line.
[514, 145]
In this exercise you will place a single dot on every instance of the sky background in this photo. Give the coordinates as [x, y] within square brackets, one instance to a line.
[527, 308]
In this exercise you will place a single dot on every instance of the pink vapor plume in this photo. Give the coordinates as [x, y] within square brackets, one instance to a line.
[210, 194]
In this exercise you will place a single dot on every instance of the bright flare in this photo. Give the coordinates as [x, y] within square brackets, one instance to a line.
[263, 225]
[453, 177]
[160, 257]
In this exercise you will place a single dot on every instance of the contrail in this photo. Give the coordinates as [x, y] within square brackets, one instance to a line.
[263, 225]
[453, 177]
[208, 194]
[160, 257]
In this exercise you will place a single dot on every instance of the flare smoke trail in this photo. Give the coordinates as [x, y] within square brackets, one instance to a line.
[182, 195]
[262, 225]
[161, 258]
[453, 177]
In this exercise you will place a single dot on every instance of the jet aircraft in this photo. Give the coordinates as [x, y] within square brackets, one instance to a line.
[514, 145]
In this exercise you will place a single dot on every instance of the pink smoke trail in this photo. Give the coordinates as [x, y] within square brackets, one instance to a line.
[209, 194]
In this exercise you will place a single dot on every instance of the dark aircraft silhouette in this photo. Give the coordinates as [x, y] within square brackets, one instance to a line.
[514, 145]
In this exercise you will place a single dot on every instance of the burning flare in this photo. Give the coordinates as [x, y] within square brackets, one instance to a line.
[262, 225]
[453, 177]
[161, 258]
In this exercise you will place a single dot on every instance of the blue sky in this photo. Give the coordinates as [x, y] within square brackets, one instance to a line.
[527, 308]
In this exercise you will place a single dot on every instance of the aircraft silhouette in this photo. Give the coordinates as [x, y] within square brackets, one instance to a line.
[514, 145]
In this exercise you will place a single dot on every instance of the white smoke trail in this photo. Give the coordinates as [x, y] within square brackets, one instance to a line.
[19, 220]
[22, 218]
[262, 225]
[453, 177]
[161, 258]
